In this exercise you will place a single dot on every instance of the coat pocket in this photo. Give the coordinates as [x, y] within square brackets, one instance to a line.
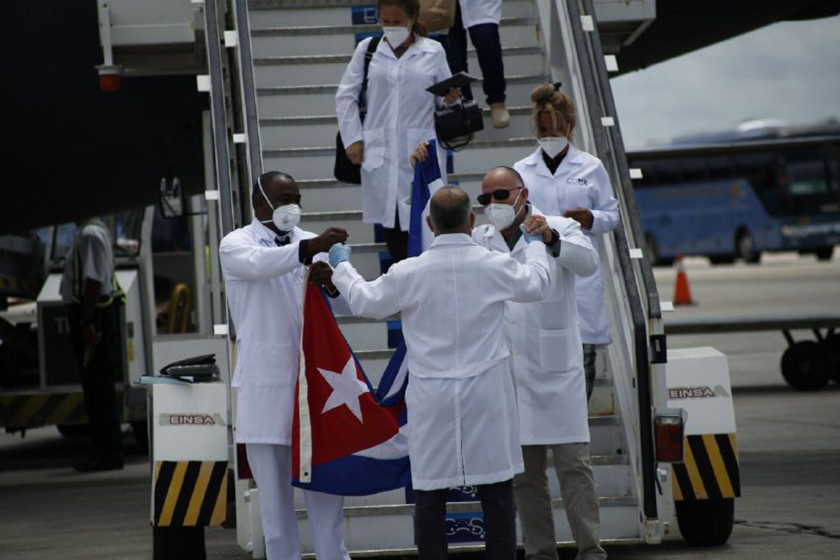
[560, 350]
[374, 154]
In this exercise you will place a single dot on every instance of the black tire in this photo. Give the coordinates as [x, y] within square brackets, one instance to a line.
[73, 431]
[831, 345]
[745, 248]
[722, 259]
[805, 366]
[706, 522]
[141, 435]
[824, 253]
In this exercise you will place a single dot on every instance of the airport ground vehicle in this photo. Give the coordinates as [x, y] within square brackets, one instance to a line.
[736, 199]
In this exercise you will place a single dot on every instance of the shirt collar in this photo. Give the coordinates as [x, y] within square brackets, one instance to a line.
[536, 160]
[421, 44]
[452, 239]
[268, 235]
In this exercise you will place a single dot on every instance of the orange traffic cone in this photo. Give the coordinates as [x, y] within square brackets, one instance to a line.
[682, 293]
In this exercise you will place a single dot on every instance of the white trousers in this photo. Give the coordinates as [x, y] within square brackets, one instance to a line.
[272, 467]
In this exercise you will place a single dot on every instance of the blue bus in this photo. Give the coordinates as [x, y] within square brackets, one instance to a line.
[733, 201]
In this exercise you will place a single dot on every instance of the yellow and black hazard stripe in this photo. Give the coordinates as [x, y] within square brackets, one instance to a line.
[190, 493]
[43, 409]
[709, 470]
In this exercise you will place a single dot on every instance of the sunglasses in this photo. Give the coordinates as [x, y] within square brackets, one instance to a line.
[499, 194]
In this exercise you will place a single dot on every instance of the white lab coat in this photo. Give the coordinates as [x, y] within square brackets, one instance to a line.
[476, 12]
[545, 343]
[462, 421]
[264, 289]
[400, 115]
[580, 181]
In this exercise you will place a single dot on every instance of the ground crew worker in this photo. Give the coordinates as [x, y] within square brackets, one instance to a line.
[264, 268]
[462, 422]
[565, 181]
[547, 368]
[89, 287]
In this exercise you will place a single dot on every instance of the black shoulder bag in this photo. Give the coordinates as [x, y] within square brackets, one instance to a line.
[344, 169]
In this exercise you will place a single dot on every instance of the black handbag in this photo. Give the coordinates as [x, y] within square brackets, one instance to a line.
[456, 125]
[345, 170]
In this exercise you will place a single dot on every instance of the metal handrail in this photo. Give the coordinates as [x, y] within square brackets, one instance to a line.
[608, 144]
[218, 114]
[249, 90]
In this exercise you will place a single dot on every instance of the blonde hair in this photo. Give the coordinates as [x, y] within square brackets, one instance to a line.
[548, 98]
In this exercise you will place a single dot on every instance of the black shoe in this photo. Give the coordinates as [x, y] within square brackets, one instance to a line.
[100, 464]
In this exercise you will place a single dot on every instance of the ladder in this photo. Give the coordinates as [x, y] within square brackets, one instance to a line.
[290, 56]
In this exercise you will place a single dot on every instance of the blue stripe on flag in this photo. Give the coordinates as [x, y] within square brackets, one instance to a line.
[425, 173]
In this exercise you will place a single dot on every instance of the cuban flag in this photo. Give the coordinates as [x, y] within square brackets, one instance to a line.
[347, 436]
[345, 439]
[427, 179]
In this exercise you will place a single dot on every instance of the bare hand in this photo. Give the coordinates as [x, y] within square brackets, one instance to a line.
[420, 154]
[323, 242]
[537, 225]
[320, 273]
[581, 215]
[453, 95]
[356, 152]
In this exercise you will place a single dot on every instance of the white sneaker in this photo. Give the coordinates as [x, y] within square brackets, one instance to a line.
[501, 117]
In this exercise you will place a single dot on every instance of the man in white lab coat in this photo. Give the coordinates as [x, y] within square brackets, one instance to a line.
[547, 368]
[264, 265]
[462, 421]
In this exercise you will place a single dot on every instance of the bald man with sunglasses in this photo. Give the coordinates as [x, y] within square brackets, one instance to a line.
[547, 367]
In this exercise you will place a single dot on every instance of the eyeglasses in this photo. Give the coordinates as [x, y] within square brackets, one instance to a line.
[499, 194]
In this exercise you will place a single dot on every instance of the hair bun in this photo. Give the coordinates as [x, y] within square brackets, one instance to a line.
[543, 93]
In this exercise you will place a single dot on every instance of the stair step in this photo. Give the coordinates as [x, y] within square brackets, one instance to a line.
[280, 132]
[314, 162]
[326, 195]
[283, 101]
[338, 29]
[328, 68]
[309, 40]
[458, 507]
[272, 13]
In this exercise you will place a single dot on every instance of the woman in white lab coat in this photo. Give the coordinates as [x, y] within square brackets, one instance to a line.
[400, 115]
[565, 181]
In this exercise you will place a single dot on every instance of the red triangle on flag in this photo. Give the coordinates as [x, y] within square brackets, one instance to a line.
[336, 392]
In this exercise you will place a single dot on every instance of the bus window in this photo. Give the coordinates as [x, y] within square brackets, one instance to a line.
[720, 167]
[766, 173]
[808, 187]
[806, 178]
[694, 170]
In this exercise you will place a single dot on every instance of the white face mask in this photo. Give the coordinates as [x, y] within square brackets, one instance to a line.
[284, 218]
[502, 215]
[553, 145]
[396, 35]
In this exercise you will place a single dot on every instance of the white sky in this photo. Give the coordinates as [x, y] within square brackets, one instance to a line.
[788, 70]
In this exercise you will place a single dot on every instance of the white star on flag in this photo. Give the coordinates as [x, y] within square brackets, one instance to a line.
[346, 389]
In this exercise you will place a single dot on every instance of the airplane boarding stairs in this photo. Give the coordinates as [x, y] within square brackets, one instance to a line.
[291, 57]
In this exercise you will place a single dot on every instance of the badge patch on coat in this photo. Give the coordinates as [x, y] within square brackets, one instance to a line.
[577, 181]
